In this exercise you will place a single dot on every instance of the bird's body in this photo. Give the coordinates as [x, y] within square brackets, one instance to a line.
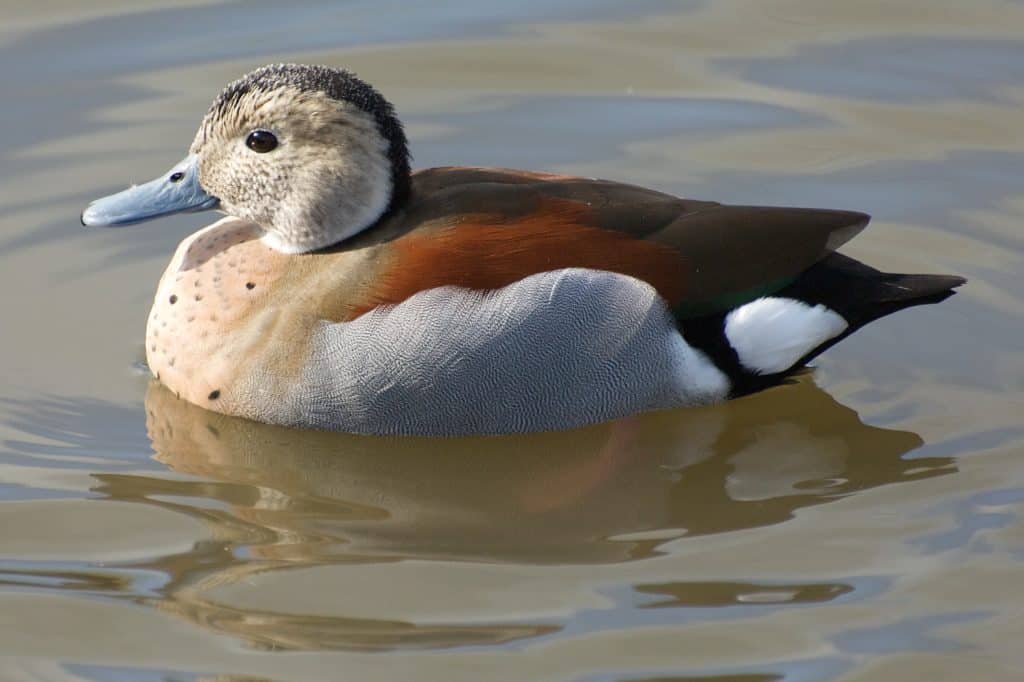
[350, 294]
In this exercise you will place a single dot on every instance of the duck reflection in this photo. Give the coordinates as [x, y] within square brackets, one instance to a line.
[281, 498]
[555, 497]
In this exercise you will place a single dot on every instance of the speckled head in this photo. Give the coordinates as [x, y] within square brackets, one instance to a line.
[311, 154]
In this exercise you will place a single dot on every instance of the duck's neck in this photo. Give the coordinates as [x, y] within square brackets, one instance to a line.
[360, 203]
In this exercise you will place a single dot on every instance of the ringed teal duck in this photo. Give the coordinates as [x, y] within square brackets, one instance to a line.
[345, 292]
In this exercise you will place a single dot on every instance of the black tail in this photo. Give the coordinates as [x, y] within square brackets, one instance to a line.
[862, 294]
[856, 291]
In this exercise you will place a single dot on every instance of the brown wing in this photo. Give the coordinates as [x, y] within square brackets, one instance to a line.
[486, 228]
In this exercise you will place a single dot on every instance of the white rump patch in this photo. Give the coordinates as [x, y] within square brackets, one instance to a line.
[771, 334]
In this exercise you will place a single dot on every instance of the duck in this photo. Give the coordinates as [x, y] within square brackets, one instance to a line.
[344, 291]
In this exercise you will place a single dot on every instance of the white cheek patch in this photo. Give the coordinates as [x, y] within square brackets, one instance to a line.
[771, 334]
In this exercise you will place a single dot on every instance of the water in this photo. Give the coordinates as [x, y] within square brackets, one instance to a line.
[862, 523]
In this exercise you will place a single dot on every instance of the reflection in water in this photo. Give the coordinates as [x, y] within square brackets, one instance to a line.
[91, 582]
[271, 631]
[754, 677]
[552, 497]
[278, 499]
[730, 593]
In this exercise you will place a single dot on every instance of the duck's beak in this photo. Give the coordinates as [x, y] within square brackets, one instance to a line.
[176, 191]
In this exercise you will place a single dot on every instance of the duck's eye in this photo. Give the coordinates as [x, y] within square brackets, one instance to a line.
[261, 141]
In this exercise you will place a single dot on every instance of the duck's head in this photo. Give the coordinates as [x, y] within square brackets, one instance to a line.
[311, 154]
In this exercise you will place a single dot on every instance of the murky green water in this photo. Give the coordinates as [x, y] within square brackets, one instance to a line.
[863, 523]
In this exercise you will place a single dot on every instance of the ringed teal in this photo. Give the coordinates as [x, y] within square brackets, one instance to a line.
[345, 292]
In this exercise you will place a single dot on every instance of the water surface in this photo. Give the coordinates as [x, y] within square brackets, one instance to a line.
[861, 523]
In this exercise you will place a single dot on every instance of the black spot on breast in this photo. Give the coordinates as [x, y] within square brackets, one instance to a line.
[173, 299]
[250, 286]
[214, 395]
